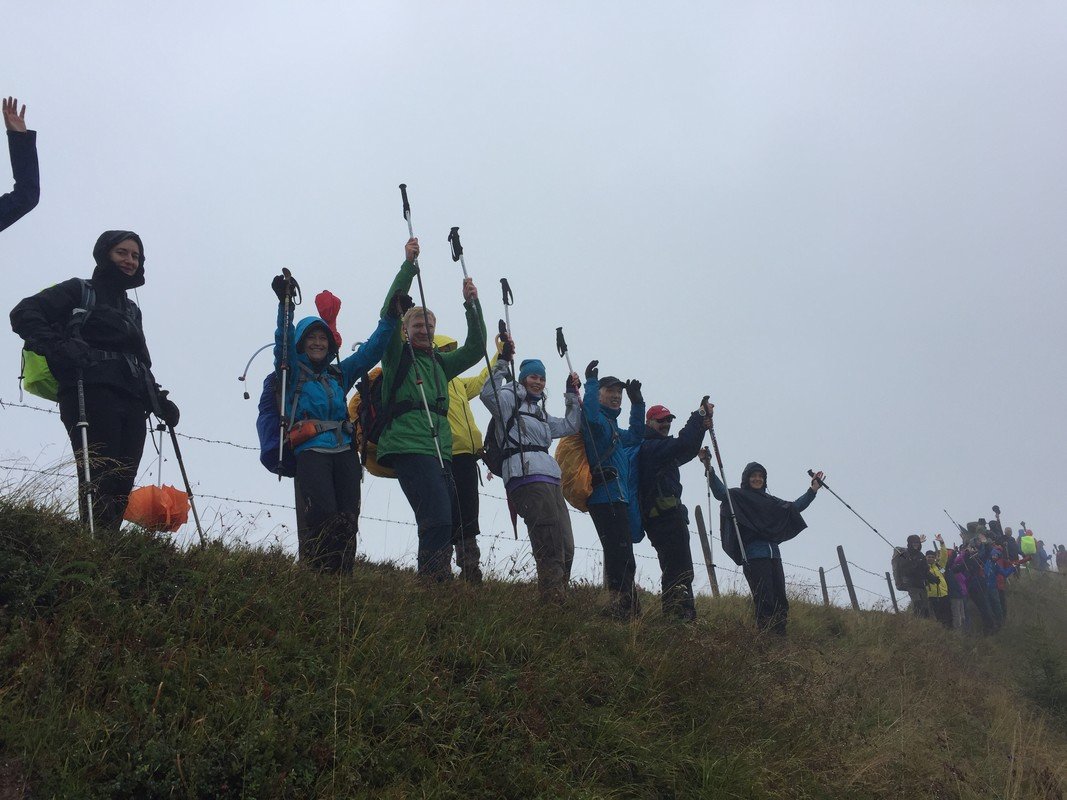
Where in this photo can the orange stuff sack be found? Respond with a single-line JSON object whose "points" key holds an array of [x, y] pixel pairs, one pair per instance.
{"points": [[368, 422], [577, 480], [157, 508]]}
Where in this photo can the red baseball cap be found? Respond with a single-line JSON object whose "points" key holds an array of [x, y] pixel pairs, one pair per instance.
{"points": [[658, 413]]}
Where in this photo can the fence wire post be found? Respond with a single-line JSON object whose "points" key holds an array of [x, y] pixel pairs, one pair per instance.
{"points": [[825, 594], [848, 579], [892, 594], [705, 545]]}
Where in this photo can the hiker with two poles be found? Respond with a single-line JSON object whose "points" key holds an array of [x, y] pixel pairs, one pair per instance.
{"points": [[525, 431], [754, 523], [417, 440], [315, 384], [91, 336]]}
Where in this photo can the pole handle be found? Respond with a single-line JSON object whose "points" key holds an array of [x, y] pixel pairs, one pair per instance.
{"points": [[404, 197], [502, 327], [453, 239], [505, 292], [561, 343], [811, 474]]}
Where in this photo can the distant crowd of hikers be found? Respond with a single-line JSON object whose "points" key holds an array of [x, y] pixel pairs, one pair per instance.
{"points": [[411, 420], [966, 588]]}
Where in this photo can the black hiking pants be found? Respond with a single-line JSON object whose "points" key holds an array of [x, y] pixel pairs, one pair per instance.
{"points": [[671, 540], [465, 516], [116, 434], [612, 522], [766, 579], [329, 496]]}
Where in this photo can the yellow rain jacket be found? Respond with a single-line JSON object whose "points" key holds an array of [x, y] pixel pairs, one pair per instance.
{"points": [[937, 569], [466, 438]]}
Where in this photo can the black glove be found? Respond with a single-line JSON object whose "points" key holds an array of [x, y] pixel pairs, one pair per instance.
{"points": [[168, 410], [633, 391], [399, 304], [71, 353], [507, 350], [591, 372], [281, 287], [572, 386]]}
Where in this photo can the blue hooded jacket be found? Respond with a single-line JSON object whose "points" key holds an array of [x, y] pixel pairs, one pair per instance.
{"points": [[323, 389], [615, 448]]}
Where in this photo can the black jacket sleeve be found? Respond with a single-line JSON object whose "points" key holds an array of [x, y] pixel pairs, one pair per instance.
{"points": [[41, 320], [18, 203]]}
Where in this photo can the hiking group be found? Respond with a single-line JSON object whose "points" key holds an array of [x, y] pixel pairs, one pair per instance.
{"points": [[965, 588], [411, 420]]}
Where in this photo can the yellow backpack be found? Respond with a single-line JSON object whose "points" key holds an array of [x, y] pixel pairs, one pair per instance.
{"points": [[577, 479]]}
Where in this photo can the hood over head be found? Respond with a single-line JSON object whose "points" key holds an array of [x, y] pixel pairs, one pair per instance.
{"points": [[753, 466], [106, 270], [305, 325], [444, 343]]}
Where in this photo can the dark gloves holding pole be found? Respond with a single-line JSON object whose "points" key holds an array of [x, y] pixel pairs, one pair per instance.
{"points": [[400, 304], [168, 409], [285, 287], [633, 391], [71, 353], [572, 383], [507, 351]]}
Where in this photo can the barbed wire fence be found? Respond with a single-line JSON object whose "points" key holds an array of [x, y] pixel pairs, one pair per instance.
{"points": [[514, 562]]}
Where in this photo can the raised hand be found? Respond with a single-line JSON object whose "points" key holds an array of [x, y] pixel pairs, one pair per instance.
{"points": [[470, 291], [411, 249], [14, 120]]}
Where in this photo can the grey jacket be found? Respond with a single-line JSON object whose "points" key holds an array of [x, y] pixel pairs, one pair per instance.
{"points": [[532, 428]]}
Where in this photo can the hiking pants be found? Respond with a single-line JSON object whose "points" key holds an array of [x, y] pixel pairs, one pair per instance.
{"points": [[920, 602], [429, 492], [542, 508], [994, 606], [1003, 603], [116, 435], [465, 516], [766, 579], [671, 539], [942, 610], [981, 602], [329, 497], [612, 522]]}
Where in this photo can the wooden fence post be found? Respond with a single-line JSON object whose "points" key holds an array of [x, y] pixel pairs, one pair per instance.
{"points": [[822, 580], [848, 578], [892, 594], [705, 545]]}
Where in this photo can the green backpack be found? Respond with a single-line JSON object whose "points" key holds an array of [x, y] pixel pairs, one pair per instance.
{"points": [[36, 378]]}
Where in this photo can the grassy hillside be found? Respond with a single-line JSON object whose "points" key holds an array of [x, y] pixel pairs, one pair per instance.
{"points": [[130, 668]]}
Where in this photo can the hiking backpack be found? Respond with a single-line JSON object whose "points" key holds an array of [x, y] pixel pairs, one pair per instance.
{"points": [[494, 453], [371, 414], [35, 376]]}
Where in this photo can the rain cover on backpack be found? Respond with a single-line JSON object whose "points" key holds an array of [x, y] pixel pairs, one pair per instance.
{"points": [[577, 480]]}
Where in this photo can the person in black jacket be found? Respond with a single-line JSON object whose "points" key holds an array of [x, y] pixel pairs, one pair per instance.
{"points": [[22, 145], [664, 518], [104, 349]]}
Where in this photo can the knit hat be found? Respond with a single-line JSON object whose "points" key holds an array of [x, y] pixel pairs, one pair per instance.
{"points": [[914, 539], [531, 366]]}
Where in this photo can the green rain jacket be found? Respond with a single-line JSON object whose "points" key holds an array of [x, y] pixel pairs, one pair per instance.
{"points": [[408, 431]]}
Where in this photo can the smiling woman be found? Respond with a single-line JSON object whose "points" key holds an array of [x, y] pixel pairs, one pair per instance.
{"points": [[90, 333]]}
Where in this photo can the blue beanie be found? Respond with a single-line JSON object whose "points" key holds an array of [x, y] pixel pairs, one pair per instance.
{"points": [[531, 366]]}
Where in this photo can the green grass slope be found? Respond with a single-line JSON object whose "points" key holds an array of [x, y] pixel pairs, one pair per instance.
{"points": [[129, 668]]}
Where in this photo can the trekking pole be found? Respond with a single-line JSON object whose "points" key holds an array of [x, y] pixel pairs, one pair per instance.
{"points": [[959, 527], [244, 375], [291, 286], [83, 424], [188, 488], [426, 322], [822, 483], [508, 299], [729, 497], [457, 255]]}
